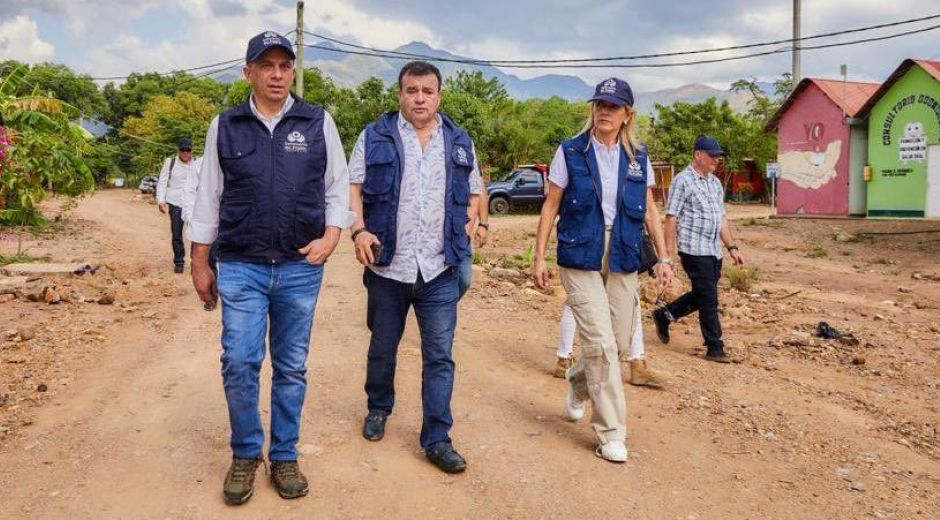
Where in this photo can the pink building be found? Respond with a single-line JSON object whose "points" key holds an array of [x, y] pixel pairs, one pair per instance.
{"points": [[822, 148]]}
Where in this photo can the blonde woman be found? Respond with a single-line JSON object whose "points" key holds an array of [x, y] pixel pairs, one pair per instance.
{"points": [[598, 191]]}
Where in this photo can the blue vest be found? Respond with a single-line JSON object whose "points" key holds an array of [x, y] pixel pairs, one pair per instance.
{"points": [[581, 217], [384, 158], [274, 196]]}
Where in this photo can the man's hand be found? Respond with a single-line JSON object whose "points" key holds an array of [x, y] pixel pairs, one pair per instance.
{"points": [[364, 241], [664, 275], [320, 249], [482, 235], [540, 274], [204, 282], [164, 207], [736, 257]]}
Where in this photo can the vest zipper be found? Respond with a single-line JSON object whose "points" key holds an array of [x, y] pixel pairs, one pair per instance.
{"points": [[271, 194]]}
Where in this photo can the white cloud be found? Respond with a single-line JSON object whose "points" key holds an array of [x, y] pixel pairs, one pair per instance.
{"points": [[19, 40]]}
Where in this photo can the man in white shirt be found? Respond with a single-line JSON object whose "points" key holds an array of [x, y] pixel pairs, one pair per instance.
{"points": [[273, 194], [172, 194]]}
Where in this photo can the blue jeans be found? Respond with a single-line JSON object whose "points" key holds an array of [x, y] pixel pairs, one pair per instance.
{"points": [[435, 304], [251, 295], [465, 271]]}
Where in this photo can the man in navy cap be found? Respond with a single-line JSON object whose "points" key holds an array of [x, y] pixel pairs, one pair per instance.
{"points": [[696, 215], [273, 195]]}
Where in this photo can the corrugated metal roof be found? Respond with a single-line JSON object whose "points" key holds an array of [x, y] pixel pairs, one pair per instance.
{"points": [[931, 67], [855, 95]]}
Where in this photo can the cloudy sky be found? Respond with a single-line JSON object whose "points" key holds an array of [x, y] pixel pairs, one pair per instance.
{"points": [[111, 37]]}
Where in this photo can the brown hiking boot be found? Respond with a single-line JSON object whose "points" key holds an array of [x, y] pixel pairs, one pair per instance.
{"points": [[240, 480], [288, 480], [564, 363], [641, 375]]}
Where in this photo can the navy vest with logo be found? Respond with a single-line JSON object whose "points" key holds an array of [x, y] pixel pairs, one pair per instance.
{"points": [[581, 218], [384, 153], [274, 196]]}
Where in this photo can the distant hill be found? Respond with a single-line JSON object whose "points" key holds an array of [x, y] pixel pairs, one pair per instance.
{"points": [[349, 70]]}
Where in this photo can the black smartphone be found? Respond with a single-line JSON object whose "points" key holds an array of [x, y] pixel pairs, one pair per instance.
{"points": [[376, 252]]}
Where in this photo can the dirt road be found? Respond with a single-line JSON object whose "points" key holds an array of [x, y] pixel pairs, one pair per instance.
{"points": [[133, 421]]}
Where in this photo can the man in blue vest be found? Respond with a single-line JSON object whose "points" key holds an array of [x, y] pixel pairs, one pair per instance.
{"points": [[273, 195], [413, 177]]}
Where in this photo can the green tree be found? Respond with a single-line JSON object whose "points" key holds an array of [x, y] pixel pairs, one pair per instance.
{"points": [[354, 109], [45, 152], [163, 121]]}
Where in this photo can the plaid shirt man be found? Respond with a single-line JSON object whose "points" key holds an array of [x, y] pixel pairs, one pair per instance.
{"points": [[698, 204]]}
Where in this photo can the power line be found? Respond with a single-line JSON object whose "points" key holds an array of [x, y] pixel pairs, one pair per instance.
{"points": [[408, 56], [499, 63]]}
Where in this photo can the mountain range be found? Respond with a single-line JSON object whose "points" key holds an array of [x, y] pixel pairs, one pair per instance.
{"points": [[349, 70]]}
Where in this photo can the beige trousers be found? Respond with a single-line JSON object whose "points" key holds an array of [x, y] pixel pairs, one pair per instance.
{"points": [[603, 304]]}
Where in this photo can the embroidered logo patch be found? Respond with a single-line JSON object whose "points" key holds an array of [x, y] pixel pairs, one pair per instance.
{"points": [[609, 86], [634, 169], [462, 156], [296, 143]]}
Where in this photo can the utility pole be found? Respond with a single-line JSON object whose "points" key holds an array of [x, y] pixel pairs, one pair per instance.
{"points": [[796, 43], [300, 49]]}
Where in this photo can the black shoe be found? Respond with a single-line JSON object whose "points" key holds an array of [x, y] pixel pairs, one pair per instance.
{"points": [[177, 269], [718, 356], [662, 325], [444, 456], [240, 480], [288, 480], [374, 427]]}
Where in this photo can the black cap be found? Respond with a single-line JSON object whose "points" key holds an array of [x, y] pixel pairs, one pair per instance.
{"points": [[708, 144], [184, 143], [265, 41], [615, 91]]}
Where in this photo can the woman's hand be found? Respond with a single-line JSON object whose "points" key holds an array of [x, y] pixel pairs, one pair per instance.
{"points": [[540, 274]]}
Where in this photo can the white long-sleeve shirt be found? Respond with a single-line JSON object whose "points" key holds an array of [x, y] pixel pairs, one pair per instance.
{"points": [[171, 189], [204, 224]]}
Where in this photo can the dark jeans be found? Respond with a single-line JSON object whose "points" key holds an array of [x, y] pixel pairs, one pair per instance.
{"points": [[465, 274], [703, 272], [176, 227], [435, 304]]}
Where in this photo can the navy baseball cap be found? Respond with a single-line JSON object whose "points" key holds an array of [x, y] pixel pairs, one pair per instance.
{"points": [[267, 40], [708, 145], [615, 91]]}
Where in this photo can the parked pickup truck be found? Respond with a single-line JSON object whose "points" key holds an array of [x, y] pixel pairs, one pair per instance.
{"points": [[525, 186]]}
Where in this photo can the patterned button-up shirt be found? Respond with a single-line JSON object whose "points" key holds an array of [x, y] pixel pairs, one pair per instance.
{"points": [[420, 233], [697, 202]]}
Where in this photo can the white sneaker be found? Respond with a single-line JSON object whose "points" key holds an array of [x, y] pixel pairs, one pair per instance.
{"points": [[614, 451], [574, 406]]}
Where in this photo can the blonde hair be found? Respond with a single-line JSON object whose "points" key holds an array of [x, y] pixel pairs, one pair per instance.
{"points": [[628, 133]]}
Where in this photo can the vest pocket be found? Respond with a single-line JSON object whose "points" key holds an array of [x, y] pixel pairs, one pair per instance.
{"points": [[459, 237], [634, 198], [309, 224], [236, 157], [377, 186], [460, 186], [234, 224]]}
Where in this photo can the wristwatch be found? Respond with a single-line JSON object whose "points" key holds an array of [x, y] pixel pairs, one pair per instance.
{"points": [[484, 224], [356, 233], [665, 260], [731, 248]]}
